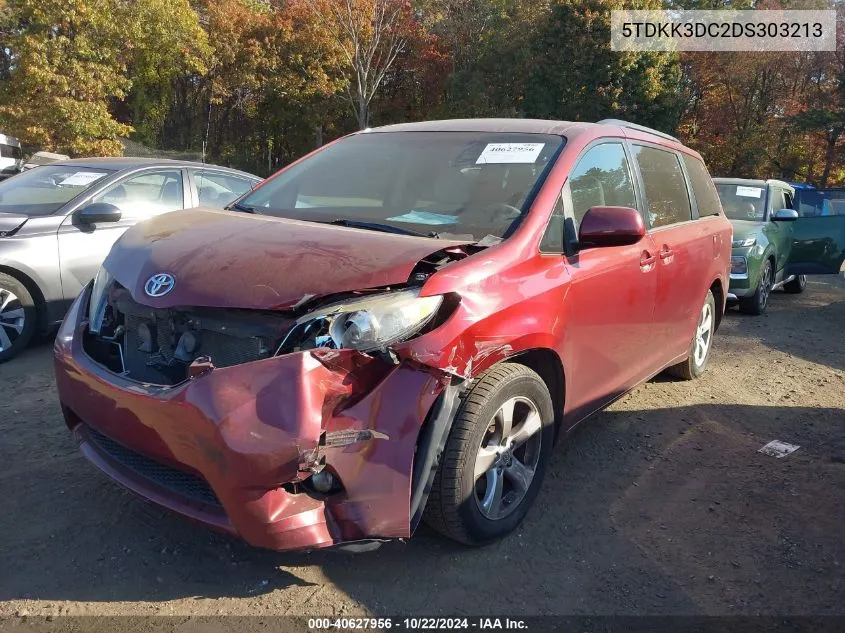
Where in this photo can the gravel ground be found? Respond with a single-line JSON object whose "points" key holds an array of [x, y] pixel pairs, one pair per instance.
{"points": [[660, 505]]}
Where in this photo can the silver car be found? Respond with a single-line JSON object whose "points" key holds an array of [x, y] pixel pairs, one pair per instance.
{"points": [[59, 221]]}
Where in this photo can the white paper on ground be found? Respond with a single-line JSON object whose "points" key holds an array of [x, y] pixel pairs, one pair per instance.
{"points": [[749, 192], [778, 449], [83, 178], [502, 153]]}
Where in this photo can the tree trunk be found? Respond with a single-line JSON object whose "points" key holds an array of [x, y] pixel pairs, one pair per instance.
{"points": [[363, 113], [829, 155]]}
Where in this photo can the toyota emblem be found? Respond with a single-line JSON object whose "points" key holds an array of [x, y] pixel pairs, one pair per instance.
{"points": [[160, 284]]}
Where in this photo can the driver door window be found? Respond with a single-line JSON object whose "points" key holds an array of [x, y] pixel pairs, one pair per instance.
{"points": [[778, 201], [146, 195], [601, 178]]}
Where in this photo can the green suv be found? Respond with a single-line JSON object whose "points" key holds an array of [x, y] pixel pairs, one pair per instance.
{"points": [[777, 239], [762, 216]]}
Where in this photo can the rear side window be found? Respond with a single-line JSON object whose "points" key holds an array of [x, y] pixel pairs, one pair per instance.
{"points": [[706, 198], [664, 184], [601, 179], [217, 189]]}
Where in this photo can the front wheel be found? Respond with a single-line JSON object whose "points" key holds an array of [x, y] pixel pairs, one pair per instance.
{"points": [[797, 285], [757, 303], [702, 342], [17, 317], [495, 458]]}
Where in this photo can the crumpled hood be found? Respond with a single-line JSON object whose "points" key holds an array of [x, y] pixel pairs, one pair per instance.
{"points": [[746, 228], [10, 222], [238, 260]]}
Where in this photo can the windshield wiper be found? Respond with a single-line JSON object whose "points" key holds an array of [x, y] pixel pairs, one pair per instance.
{"points": [[375, 226], [237, 206]]}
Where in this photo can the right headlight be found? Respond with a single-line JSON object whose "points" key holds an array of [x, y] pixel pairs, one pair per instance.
{"points": [[366, 324], [99, 297]]}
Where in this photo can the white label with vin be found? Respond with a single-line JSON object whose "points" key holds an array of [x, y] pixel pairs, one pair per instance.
{"points": [[504, 153]]}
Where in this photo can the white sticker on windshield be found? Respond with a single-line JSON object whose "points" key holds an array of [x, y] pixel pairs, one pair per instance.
{"points": [[749, 192], [500, 153], [83, 178]]}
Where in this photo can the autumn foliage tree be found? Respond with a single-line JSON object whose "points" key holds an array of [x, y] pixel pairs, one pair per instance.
{"points": [[257, 83], [369, 35]]}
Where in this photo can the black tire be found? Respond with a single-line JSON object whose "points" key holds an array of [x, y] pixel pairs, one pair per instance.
{"points": [[797, 285], [694, 366], [14, 335], [453, 508], [759, 301]]}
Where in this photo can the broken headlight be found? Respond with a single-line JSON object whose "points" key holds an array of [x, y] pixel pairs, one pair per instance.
{"points": [[97, 303], [365, 324]]}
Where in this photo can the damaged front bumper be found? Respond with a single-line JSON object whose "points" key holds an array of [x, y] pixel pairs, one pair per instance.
{"points": [[234, 447]]}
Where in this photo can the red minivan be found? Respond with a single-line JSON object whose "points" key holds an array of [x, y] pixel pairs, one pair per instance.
{"points": [[396, 327]]}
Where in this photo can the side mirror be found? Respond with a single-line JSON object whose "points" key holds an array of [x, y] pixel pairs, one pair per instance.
{"points": [[785, 215], [99, 212], [610, 226]]}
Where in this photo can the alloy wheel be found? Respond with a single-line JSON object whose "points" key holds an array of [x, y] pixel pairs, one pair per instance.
{"points": [[765, 285], [508, 457], [12, 319], [703, 334]]}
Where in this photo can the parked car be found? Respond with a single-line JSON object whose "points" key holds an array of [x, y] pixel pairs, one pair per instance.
{"points": [[761, 213], [398, 325], [771, 239], [11, 156], [819, 239], [58, 222]]}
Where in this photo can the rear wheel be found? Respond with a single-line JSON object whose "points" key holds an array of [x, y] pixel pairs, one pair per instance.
{"points": [[17, 317], [797, 285], [702, 342], [495, 457], [756, 303]]}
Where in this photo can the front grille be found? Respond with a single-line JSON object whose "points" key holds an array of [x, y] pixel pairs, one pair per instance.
{"points": [[181, 483]]}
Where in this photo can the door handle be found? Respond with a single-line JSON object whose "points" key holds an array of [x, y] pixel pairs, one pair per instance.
{"points": [[666, 254], [647, 261]]}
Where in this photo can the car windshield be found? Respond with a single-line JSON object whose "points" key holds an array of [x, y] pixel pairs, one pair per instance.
{"points": [[468, 184], [44, 190], [743, 202]]}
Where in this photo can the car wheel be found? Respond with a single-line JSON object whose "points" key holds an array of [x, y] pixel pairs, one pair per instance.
{"points": [[702, 342], [797, 285], [756, 303], [495, 457], [17, 317]]}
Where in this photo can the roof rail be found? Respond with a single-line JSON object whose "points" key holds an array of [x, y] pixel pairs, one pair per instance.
{"points": [[641, 128]]}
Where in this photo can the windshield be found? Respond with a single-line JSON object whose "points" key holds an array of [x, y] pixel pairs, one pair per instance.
{"points": [[44, 190], [468, 184], [743, 202]]}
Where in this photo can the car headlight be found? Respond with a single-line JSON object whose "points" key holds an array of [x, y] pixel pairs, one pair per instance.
{"points": [[748, 241], [365, 324], [97, 303]]}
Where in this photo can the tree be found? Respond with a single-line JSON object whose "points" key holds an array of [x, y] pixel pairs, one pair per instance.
{"points": [[164, 41], [553, 60], [369, 34], [65, 69]]}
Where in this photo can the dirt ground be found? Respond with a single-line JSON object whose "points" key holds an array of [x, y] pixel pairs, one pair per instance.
{"points": [[660, 505]]}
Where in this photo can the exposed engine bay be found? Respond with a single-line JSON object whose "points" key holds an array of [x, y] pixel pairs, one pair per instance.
{"points": [[158, 345], [166, 346]]}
